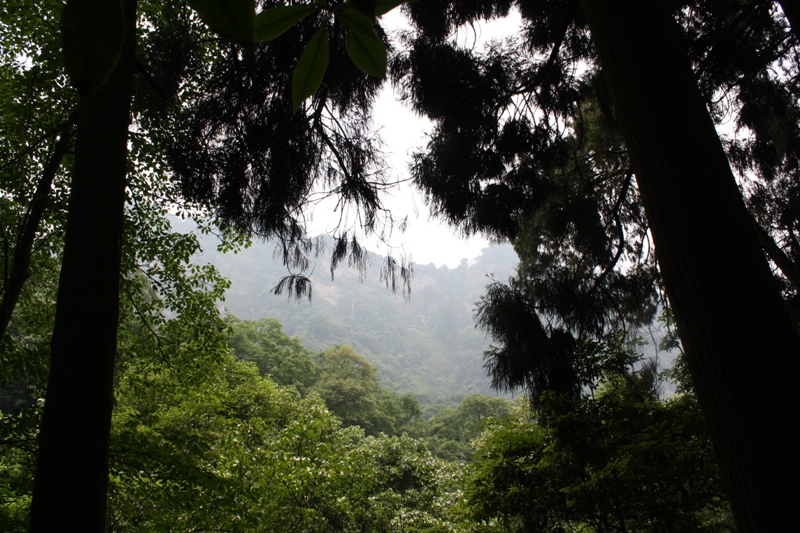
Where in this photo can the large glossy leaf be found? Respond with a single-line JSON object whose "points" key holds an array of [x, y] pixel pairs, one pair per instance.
{"points": [[271, 23], [365, 6], [310, 70], [367, 53], [384, 6], [93, 33], [354, 20], [364, 47], [235, 19]]}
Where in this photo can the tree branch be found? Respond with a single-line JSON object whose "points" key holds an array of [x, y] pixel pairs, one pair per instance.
{"points": [[778, 256], [30, 224]]}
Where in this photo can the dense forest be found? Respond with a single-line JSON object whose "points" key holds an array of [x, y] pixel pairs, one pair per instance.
{"points": [[259, 432], [640, 157], [425, 343]]}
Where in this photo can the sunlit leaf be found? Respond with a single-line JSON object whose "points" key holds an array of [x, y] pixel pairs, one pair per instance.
{"points": [[368, 53], [234, 19], [93, 33], [272, 23], [310, 70]]}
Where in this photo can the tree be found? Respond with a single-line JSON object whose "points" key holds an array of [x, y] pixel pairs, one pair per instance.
{"points": [[73, 441], [100, 44], [453, 430], [37, 135], [348, 383], [620, 459], [35, 110], [403, 488], [207, 442], [494, 165], [713, 266], [213, 444], [277, 355]]}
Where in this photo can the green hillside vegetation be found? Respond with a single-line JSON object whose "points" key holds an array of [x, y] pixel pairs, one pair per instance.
{"points": [[426, 344], [221, 436], [348, 384], [226, 434]]}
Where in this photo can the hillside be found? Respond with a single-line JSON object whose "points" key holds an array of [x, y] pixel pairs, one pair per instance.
{"points": [[426, 344]]}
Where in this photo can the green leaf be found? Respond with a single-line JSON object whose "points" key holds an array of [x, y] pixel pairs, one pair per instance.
{"points": [[354, 20], [93, 33], [364, 46], [368, 53], [365, 6], [384, 6], [310, 70], [271, 23], [234, 19]]}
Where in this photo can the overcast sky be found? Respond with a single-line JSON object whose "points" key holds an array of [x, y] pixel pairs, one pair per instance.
{"points": [[425, 240]]}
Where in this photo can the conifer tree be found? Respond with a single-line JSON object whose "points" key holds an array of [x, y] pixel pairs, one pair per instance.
{"points": [[516, 152]]}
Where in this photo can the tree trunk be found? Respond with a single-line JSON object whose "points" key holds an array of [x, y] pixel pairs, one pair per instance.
{"points": [[787, 267], [741, 347], [23, 248], [791, 8], [72, 470]]}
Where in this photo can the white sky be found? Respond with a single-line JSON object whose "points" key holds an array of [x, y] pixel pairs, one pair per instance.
{"points": [[425, 240]]}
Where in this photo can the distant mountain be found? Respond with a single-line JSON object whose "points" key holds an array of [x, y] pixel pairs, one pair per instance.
{"points": [[426, 345]]}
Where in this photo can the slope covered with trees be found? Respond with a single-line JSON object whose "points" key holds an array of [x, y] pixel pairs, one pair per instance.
{"points": [[218, 435], [425, 344]]}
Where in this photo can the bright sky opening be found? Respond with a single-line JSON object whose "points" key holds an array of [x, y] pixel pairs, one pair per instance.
{"points": [[425, 240]]}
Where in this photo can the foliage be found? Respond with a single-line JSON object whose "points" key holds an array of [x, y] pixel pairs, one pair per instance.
{"points": [[620, 459], [537, 155], [527, 144], [403, 488], [427, 345], [93, 37], [239, 21], [346, 381], [37, 106], [282, 358], [348, 384], [451, 431], [202, 440], [18, 431], [230, 449], [224, 447], [528, 357], [240, 148]]}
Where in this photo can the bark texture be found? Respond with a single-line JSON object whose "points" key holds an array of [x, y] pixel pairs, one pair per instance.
{"points": [[740, 344], [72, 471]]}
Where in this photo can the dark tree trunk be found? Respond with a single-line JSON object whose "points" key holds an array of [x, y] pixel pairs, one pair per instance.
{"points": [[787, 267], [23, 248], [791, 8], [72, 470], [740, 345]]}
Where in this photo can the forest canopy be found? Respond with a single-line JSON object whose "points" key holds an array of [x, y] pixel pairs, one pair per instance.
{"points": [[588, 139]]}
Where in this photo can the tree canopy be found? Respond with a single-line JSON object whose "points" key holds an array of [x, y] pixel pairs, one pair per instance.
{"points": [[557, 123], [588, 138]]}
